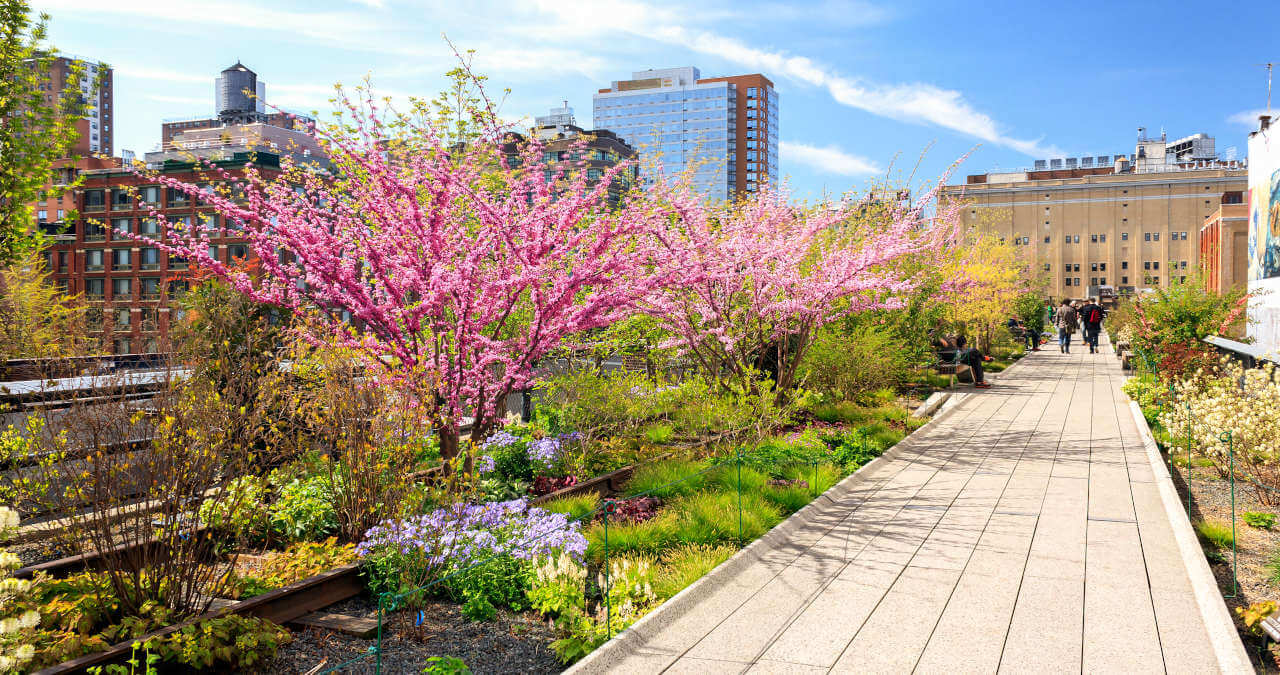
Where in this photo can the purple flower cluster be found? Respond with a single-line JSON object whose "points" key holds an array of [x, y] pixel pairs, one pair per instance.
{"points": [[544, 452], [462, 534], [485, 464], [499, 440]]}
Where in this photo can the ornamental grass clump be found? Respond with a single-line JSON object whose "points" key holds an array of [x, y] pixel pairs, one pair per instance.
{"points": [[1244, 402], [408, 557]]}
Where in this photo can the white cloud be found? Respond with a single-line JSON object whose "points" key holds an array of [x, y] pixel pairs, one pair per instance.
{"points": [[829, 159], [913, 102], [1249, 118]]}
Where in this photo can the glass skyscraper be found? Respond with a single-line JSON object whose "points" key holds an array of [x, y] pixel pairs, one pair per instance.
{"points": [[681, 123]]}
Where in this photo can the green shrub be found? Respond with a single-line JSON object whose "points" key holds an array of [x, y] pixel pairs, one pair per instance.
{"points": [[668, 478], [1262, 521], [241, 511], [1215, 533], [855, 363], [684, 565], [853, 448], [884, 436], [304, 510], [575, 507], [659, 433], [230, 642], [712, 518], [478, 608]]}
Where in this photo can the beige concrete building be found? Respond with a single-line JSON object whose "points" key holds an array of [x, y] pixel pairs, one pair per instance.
{"points": [[1130, 223]]}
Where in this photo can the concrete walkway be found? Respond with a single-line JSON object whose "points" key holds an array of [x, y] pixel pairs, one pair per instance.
{"points": [[1021, 532]]}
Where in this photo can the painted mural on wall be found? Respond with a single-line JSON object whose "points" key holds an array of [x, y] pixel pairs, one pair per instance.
{"points": [[1264, 239], [1264, 221]]}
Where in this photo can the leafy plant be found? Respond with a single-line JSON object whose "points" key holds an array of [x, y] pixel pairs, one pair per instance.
{"points": [[1262, 521], [1253, 615], [855, 363], [299, 561], [659, 433], [304, 510], [243, 512], [446, 665], [635, 510], [478, 607], [230, 641]]}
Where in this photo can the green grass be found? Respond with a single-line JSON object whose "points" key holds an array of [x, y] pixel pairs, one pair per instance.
{"points": [[725, 479], [789, 499], [819, 478], [650, 536], [574, 507], [1198, 462], [1273, 568], [712, 518], [684, 565], [849, 412], [659, 433], [995, 366], [1215, 533], [885, 435], [667, 479]]}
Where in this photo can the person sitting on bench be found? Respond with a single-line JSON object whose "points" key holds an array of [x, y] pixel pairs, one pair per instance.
{"points": [[973, 358]]}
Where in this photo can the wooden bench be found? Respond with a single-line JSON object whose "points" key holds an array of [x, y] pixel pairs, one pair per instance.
{"points": [[952, 369]]}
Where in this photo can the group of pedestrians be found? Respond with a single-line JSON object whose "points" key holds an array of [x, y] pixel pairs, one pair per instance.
{"points": [[1086, 317]]}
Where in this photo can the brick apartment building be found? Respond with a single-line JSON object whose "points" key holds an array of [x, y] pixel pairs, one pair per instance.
{"points": [[129, 285], [1224, 247]]}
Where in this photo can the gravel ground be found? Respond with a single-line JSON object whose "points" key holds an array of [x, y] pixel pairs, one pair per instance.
{"points": [[512, 643], [1211, 500]]}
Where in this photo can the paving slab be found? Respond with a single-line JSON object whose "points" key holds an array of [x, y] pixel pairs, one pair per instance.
{"points": [[1022, 530]]}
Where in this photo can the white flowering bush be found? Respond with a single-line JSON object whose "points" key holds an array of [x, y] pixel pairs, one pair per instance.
{"points": [[1244, 402], [16, 622]]}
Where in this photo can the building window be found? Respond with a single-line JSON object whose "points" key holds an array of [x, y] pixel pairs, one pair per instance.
{"points": [[1155, 236], [1077, 282], [1146, 264], [1075, 267], [149, 258], [121, 345], [1184, 236], [150, 194], [1046, 238], [1155, 264], [176, 197], [1102, 238], [93, 260], [94, 231], [1046, 267], [1103, 281], [1066, 281], [122, 318], [1093, 239], [1068, 239], [1182, 264], [1146, 236], [121, 289], [93, 288], [177, 289], [1093, 281], [1124, 264], [1124, 280], [1124, 236], [95, 200], [1093, 267], [150, 288], [121, 200], [238, 251], [120, 260], [1102, 267], [120, 225], [1075, 239]]}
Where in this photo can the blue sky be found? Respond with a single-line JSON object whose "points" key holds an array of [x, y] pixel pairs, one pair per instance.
{"points": [[864, 86]]}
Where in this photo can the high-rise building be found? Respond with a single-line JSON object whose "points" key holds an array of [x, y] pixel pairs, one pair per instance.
{"points": [[95, 83], [722, 131], [1127, 221], [567, 148]]}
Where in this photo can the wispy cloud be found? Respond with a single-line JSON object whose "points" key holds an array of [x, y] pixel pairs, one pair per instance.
{"points": [[828, 159], [1248, 118], [919, 103]]}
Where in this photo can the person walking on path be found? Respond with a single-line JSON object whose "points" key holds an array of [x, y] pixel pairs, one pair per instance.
{"points": [[1091, 315], [1066, 320]]}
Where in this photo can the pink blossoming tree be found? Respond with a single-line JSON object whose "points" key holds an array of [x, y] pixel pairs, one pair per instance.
{"points": [[757, 279], [451, 268]]}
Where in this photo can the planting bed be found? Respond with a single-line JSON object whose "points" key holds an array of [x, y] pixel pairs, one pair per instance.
{"points": [[1258, 549]]}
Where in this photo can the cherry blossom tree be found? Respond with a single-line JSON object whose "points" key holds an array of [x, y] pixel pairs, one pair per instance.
{"points": [[756, 279], [451, 268]]}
